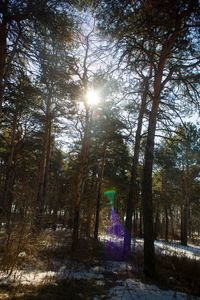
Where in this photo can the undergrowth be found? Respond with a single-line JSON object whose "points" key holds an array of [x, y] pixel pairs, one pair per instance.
{"points": [[50, 250]]}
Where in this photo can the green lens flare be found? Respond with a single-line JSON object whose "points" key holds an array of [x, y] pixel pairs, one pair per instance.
{"points": [[110, 195]]}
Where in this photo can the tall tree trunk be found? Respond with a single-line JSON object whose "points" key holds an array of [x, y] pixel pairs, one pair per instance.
{"points": [[98, 200], [43, 168], [186, 197], [81, 181], [140, 225], [184, 226], [166, 224], [89, 206], [157, 221], [9, 180], [132, 196], [149, 251], [5, 60], [48, 157], [3, 48], [172, 223]]}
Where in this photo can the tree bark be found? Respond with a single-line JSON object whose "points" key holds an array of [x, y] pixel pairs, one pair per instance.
{"points": [[43, 168], [186, 197], [98, 200], [9, 180], [81, 181], [149, 252], [166, 224], [3, 48], [132, 196]]}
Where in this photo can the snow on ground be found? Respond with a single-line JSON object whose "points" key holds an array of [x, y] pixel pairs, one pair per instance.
{"points": [[192, 252], [26, 278], [169, 248], [128, 289], [79, 271], [173, 248], [102, 273], [131, 289]]}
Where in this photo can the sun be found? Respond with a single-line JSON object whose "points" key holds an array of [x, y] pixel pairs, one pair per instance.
{"points": [[92, 97]]}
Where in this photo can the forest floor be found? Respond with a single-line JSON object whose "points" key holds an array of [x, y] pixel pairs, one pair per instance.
{"points": [[97, 271]]}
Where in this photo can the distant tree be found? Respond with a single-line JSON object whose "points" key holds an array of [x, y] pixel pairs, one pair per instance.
{"points": [[19, 20], [19, 101], [54, 64], [179, 161]]}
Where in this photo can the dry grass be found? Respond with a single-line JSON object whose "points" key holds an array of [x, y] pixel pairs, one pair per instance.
{"points": [[179, 273], [42, 251]]}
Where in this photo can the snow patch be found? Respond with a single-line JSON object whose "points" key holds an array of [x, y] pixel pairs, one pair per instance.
{"points": [[168, 248], [27, 278], [133, 290], [78, 271]]}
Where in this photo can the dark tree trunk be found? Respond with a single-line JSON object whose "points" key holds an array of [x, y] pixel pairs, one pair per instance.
{"points": [[141, 222], [184, 225], [132, 196], [3, 48], [186, 196], [149, 252], [101, 172], [81, 181], [172, 223], [157, 221], [43, 170], [9, 179], [90, 206], [166, 224], [75, 228]]}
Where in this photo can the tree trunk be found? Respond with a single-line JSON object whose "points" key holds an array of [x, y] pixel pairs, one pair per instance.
{"points": [[132, 196], [149, 251], [172, 223], [9, 180], [186, 197], [166, 224], [141, 222], [43, 168], [157, 221], [81, 181], [3, 48], [100, 177], [184, 226]]}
